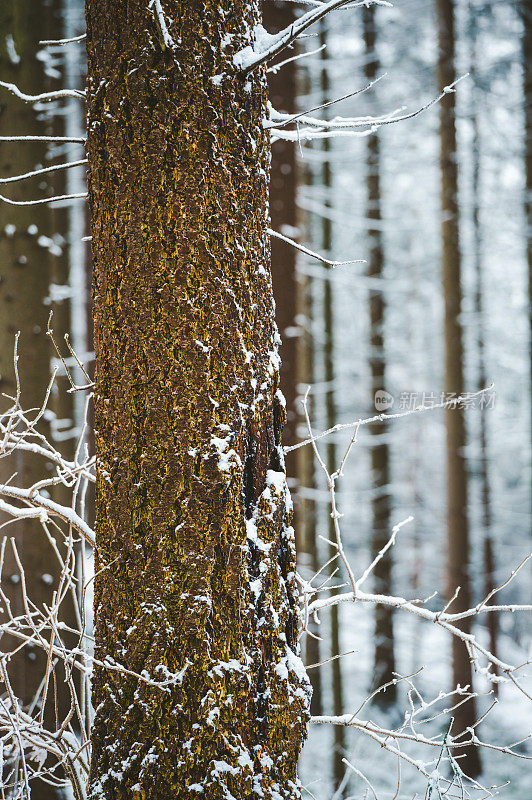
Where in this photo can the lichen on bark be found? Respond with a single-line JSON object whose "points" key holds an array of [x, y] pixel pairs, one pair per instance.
{"points": [[195, 586]]}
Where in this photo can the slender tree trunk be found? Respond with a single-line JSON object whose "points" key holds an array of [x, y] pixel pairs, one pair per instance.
{"points": [[526, 13], [289, 302], [457, 495], [195, 586], [306, 507], [25, 269], [492, 619], [306, 467], [283, 213], [330, 420], [63, 429], [384, 658]]}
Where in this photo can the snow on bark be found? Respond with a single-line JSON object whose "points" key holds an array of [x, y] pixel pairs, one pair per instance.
{"points": [[196, 588]]}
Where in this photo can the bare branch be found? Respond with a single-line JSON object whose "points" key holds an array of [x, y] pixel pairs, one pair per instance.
{"points": [[311, 253], [43, 171], [73, 40], [62, 139], [33, 98], [458, 401], [79, 196], [158, 14], [266, 46]]}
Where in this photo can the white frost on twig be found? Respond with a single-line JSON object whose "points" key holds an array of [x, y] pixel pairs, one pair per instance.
{"points": [[43, 171], [33, 98], [158, 14], [312, 253], [60, 42], [266, 45], [340, 426], [44, 200], [51, 139]]}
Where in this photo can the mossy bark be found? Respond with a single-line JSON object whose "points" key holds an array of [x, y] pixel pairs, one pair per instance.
{"points": [[457, 487], [196, 587]]}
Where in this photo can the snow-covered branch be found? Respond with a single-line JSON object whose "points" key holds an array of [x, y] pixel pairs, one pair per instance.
{"points": [[419, 712], [43, 171], [311, 253], [61, 42], [34, 98], [158, 14], [44, 200], [266, 46], [455, 402], [48, 139], [317, 128]]}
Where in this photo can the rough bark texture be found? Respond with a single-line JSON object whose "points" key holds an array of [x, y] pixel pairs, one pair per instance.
{"points": [[384, 658], [330, 420], [196, 586], [457, 495]]}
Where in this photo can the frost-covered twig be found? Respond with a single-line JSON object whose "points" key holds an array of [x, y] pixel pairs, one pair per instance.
{"points": [[44, 170], [44, 200], [279, 119], [453, 403], [276, 67], [49, 139], [73, 40], [331, 485], [266, 45], [419, 712], [158, 14], [311, 253], [33, 98], [343, 126]]}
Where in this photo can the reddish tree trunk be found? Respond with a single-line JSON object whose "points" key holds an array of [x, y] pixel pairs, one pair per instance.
{"points": [[196, 585]]}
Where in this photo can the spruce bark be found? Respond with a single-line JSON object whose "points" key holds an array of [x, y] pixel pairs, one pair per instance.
{"points": [[384, 656], [457, 490], [196, 585]]}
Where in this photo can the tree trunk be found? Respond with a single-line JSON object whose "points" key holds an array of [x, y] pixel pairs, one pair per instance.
{"points": [[384, 658], [290, 300], [306, 507], [330, 420], [526, 13], [457, 496], [283, 212], [25, 269], [492, 619], [306, 471], [195, 586]]}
